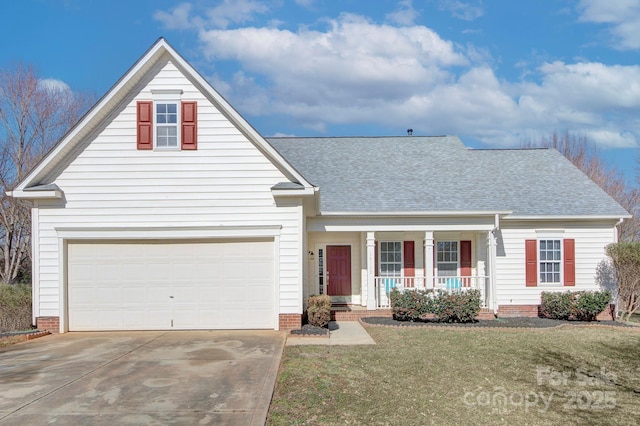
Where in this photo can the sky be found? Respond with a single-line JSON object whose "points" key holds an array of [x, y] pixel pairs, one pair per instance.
{"points": [[496, 73]]}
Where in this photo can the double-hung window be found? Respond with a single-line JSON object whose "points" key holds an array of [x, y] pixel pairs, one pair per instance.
{"points": [[550, 261], [447, 258], [166, 114], [391, 258]]}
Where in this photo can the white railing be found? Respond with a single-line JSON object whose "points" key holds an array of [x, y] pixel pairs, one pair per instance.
{"points": [[384, 285]]}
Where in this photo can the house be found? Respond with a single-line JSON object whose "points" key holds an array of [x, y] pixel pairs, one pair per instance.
{"points": [[164, 209]]}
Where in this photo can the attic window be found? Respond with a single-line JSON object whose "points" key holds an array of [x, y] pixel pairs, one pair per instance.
{"points": [[166, 125]]}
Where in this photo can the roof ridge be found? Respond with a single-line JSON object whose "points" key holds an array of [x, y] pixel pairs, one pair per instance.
{"points": [[359, 137]]}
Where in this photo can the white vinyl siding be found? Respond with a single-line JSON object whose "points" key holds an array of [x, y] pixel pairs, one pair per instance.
{"points": [[590, 241], [225, 183]]}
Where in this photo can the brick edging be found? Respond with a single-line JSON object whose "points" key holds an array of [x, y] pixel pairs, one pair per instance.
{"points": [[26, 336], [309, 335]]}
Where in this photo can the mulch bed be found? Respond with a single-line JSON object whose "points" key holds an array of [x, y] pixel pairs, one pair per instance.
{"points": [[518, 322], [310, 331]]}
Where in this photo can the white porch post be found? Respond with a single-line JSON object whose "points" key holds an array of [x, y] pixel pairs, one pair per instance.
{"points": [[491, 271], [428, 259], [371, 288]]}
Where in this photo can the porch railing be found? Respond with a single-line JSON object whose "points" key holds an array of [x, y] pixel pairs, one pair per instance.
{"points": [[384, 285]]}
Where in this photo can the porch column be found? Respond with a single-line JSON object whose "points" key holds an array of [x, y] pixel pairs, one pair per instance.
{"points": [[428, 259], [371, 273], [491, 271]]}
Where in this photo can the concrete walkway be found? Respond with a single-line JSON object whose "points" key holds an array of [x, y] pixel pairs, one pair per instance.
{"points": [[340, 333]]}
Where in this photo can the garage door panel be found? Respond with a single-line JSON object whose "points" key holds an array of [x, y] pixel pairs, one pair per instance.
{"points": [[163, 285]]}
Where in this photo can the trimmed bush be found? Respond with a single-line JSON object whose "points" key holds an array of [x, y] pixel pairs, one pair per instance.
{"points": [[578, 305], [411, 305], [591, 303], [461, 306], [319, 310], [414, 305], [557, 305], [15, 307]]}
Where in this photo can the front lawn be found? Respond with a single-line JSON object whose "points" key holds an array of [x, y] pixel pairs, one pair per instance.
{"points": [[420, 376]]}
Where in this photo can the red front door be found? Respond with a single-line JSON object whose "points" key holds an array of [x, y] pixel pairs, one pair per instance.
{"points": [[339, 270]]}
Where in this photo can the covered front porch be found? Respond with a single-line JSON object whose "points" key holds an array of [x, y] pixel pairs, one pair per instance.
{"points": [[360, 268]]}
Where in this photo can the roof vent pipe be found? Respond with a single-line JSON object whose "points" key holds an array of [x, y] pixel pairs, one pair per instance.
{"points": [[409, 132]]}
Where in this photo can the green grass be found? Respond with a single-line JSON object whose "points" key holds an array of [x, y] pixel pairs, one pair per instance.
{"points": [[426, 376]]}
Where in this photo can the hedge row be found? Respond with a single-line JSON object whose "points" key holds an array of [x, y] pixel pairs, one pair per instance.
{"points": [[15, 307], [577, 305], [445, 306]]}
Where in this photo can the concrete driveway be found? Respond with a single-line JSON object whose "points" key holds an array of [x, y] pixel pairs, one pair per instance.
{"points": [[177, 377]]}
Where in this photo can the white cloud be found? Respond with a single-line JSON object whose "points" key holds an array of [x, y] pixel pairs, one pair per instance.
{"points": [[235, 12], [222, 15], [465, 10], [404, 15], [622, 17], [177, 19], [54, 85], [357, 72]]}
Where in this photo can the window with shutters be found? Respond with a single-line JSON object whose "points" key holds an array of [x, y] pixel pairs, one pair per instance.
{"points": [[550, 261], [167, 119]]}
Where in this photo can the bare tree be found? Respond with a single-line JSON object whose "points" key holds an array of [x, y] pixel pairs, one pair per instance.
{"points": [[34, 114], [585, 156]]}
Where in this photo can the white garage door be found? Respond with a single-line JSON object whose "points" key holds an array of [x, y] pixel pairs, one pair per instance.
{"points": [[165, 285]]}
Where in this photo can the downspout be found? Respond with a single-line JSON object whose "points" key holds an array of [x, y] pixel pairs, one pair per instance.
{"points": [[615, 233], [492, 277]]}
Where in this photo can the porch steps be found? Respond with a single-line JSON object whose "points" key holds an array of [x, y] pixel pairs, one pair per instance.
{"points": [[354, 313]]}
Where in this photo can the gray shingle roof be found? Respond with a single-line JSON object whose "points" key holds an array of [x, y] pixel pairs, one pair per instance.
{"points": [[431, 174]]}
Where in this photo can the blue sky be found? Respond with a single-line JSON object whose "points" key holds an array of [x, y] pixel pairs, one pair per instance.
{"points": [[494, 72]]}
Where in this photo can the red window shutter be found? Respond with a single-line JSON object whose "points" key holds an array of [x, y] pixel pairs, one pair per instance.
{"points": [[569, 267], [189, 125], [531, 259], [409, 259], [145, 125], [465, 262]]}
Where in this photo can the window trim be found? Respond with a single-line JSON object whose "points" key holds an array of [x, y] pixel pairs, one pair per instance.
{"points": [[559, 283], [167, 96], [401, 243], [435, 255]]}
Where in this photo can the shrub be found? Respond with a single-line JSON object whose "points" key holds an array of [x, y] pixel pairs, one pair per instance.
{"points": [[578, 305], [319, 310], [557, 305], [461, 306], [591, 303], [410, 305], [15, 307], [413, 305]]}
